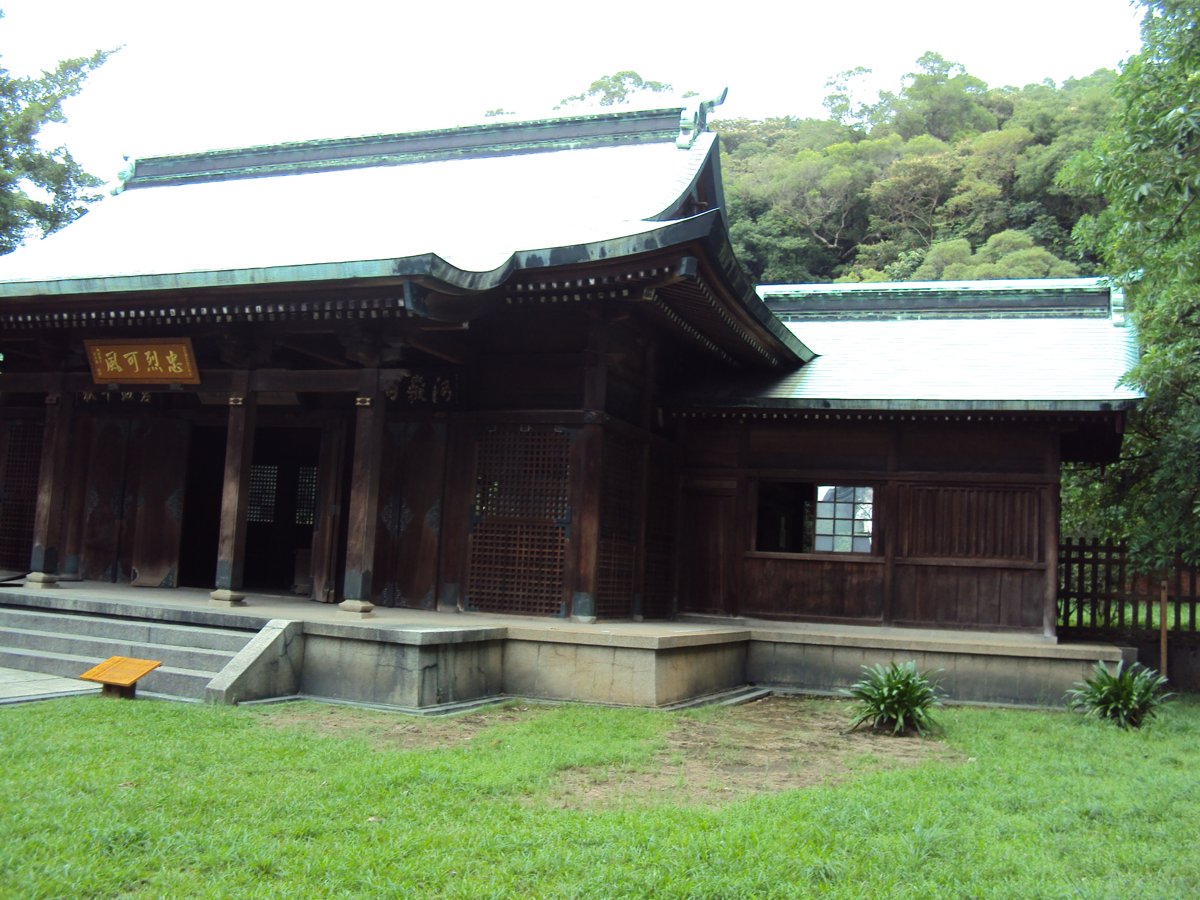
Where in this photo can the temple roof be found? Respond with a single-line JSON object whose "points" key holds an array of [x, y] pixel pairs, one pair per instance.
{"points": [[473, 197], [1047, 345], [460, 212]]}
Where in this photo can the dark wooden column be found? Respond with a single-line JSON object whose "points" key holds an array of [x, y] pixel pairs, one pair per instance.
{"points": [[239, 453], [887, 525], [457, 505], [75, 506], [587, 474], [1049, 529], [358, 586], [642, 492], [327, 526], [53, 479]]}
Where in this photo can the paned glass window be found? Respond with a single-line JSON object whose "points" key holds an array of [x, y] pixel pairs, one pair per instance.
{"points": [[797, 517], [843, 519]]}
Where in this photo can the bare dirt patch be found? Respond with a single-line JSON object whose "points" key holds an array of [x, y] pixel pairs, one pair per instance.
{"points": [[775, 744], [390, 731], [713, 756]]}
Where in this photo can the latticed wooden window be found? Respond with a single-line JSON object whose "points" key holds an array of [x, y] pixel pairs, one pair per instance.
{"points": [[260, 506], [18, 492], [306, 495], [519, 538]]}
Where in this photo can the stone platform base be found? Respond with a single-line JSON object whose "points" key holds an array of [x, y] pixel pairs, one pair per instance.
{"points": [[427, 660]]}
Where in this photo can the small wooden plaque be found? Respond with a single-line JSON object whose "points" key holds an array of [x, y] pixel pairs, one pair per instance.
{"points": [[121, 671]]}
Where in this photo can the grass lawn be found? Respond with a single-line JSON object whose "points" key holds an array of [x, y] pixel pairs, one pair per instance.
{"points": [[101, 798]]}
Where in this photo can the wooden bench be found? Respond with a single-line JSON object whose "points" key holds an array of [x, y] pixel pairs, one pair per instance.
{"points": [[119, 675]]}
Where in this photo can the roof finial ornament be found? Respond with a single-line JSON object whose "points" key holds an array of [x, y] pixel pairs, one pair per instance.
{"points": [[693, 120], [124, 175]]}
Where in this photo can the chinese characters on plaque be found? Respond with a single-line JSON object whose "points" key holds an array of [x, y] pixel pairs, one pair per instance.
{"points": [[142, 361], [423, 390]]}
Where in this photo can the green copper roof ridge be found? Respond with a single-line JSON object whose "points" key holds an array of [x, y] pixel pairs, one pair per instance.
{"points": [[786, 291], [429, 132], [391, 159], [569, 132]]}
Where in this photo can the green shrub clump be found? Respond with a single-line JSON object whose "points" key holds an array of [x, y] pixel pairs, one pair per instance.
{"points": [[1130, 697], [895, 698]]}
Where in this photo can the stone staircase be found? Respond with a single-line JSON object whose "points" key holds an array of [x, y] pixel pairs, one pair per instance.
{"points": [[68, 643]]}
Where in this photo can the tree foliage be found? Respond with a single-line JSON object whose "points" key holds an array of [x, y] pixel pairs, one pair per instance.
{"points": [[870, 192], [1147, 167], [40, 188], [616, 89]]}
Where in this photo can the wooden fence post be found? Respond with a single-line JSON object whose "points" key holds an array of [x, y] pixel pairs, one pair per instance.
{"points": [[1162, 628]]}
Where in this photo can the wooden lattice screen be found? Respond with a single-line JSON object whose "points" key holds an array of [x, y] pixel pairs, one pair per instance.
{"points": [[20, 459], [519, 536], [618, 527]]}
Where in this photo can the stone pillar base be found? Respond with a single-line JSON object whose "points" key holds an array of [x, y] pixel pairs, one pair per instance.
{"points": [[584, 620], [360, 608], [226, 597], [41, 580]]}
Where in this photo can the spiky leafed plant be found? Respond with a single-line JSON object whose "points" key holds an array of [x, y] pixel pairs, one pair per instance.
{"points": [[895, 698], [1130, 697]]}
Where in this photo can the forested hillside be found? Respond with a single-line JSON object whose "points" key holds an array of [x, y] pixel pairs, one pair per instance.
{"points": [[947, 178]]}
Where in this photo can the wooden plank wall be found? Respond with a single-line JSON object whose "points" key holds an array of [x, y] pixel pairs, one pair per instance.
{"points": [[963, 522]]}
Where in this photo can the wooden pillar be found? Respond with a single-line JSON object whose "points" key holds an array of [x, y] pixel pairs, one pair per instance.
{"points": [[53, 479], [457, 507], [886, 526], [1049, 529], [646, 423], [235, 495], [587, 473], [364, 501], [74, 510], [328, 520]]}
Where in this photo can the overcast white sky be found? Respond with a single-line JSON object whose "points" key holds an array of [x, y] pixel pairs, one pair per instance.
{"points": [[221, 73]]}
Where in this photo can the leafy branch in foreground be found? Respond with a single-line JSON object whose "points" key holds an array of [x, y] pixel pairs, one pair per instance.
{"points": [[1147, 166], [40, 188], [1130, 697], [895, 698]]}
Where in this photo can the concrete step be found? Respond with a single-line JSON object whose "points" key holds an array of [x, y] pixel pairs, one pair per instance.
{"points": [[67, 644], [134, 630], [168, 681], [102, 648]]}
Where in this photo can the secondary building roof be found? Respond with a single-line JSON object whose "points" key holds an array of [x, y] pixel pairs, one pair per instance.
{"points": [[1061, 345]]}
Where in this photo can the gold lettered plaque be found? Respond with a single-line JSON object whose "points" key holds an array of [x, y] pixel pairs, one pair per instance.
{"points": [[143, 361]]}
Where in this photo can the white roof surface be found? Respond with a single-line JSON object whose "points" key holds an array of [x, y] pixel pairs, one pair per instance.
{"points": [[964, 359], [473, 213]]}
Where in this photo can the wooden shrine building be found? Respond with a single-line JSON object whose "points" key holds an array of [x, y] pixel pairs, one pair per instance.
{"points": [[516, 368]]}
